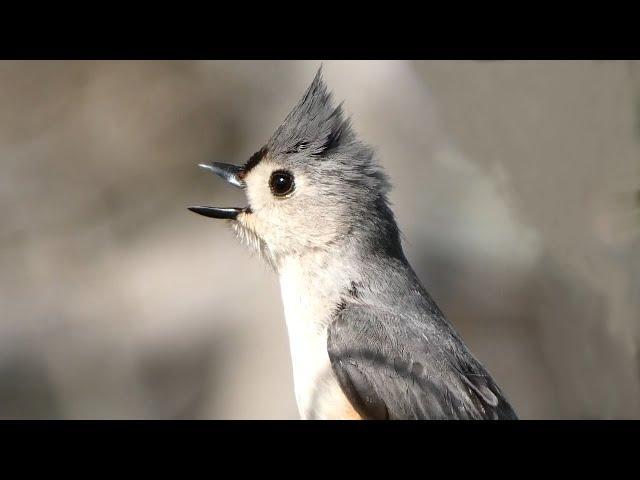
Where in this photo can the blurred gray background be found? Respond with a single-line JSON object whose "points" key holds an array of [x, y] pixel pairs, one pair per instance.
{"points": [[516, 185]]}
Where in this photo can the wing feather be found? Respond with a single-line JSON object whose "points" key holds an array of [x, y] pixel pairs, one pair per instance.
{"points": [[403, 367]]}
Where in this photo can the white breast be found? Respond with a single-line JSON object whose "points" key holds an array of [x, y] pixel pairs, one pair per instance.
{"points": [[307, 306]]}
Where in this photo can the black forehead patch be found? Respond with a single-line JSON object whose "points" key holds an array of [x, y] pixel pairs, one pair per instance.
{"points": [[254, 160]]}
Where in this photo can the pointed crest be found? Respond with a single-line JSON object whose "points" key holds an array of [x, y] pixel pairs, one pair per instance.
{"points": [[313, 124]]}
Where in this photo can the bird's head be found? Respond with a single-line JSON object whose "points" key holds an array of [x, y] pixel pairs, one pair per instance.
{"points": [[309, 187]]}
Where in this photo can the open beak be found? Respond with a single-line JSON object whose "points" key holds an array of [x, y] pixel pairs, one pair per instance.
{"points": [[230, 173]]}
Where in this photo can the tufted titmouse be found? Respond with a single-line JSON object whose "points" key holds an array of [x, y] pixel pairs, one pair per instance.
{"points": [[367, 341]]}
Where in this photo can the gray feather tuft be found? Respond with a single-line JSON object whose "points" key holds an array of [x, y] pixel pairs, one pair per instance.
{"points": [[314, 125]]}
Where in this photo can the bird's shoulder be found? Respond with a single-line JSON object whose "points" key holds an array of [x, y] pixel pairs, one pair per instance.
{"points": [[409, 366]]}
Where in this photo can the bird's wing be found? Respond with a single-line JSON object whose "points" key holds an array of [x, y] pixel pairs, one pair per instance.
{"points": [[394, 366]]}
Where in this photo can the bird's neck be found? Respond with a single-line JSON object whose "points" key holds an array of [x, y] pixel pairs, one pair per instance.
{"points": [[311, 287], [315, 283]]}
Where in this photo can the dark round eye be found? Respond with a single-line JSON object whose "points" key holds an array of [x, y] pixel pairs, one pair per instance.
{"points": [[281, 183]]}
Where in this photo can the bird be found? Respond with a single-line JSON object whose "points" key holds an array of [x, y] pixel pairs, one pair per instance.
{"points": [[367, 341]]}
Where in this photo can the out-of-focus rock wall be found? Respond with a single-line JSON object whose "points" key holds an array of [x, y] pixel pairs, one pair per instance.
{"points": [[515, 184]]}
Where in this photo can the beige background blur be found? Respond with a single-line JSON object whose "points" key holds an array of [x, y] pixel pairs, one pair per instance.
{"points": [[515, 185]]}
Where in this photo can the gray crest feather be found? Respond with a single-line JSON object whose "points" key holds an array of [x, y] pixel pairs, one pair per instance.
{"points": [[314, 125]]}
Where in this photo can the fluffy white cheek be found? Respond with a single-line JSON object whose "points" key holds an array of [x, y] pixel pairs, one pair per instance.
{"points": [[290, 224], [272, 217]]}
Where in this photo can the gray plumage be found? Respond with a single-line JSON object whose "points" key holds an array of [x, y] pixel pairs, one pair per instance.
{"points": [[359, 319], [398, 358]]}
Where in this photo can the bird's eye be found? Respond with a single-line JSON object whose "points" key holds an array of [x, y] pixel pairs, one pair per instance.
{"points": [[281, 183]]}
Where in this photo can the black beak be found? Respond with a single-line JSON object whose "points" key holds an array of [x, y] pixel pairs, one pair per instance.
{"points": [[231, 173], [217, 212]]}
